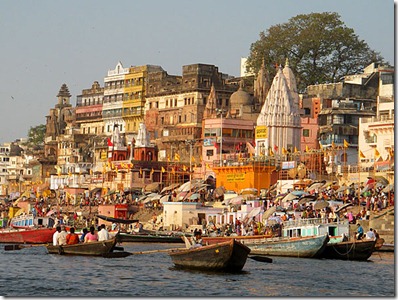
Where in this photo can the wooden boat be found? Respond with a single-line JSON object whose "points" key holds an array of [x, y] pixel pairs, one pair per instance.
{"points": [[117, 220], [101, 248], [310, 246], [338, 232], [350, 250], [28, 229], [148, 238], [229, 256], [220, 239]]}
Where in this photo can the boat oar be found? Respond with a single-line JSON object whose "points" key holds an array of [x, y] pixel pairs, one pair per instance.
{"points": [[19, 246], [125, 254], [261, 258]]}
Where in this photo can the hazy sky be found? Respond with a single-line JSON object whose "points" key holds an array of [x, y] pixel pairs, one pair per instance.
{"points": [[45, 43]]}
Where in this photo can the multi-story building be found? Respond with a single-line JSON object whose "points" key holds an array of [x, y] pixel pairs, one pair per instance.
{"points": [[376, 134], [113, 99], [175, 108], [89, 110], [4, 162], [134, 98], [343, 104]]}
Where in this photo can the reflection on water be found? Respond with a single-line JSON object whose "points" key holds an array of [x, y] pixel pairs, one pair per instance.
{"points": [[154, 275]]}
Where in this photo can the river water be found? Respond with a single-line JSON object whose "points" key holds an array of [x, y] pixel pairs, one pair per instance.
{"points": [[31, 272]]}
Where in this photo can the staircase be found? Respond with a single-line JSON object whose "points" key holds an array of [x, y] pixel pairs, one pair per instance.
{"points": [[383, 222]]}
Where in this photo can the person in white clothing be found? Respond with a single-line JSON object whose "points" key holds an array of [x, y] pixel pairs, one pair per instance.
{"points": [[103, 234], [55, 235], [370, 235]]}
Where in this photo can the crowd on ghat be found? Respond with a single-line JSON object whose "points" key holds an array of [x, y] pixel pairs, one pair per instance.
{"points": [[368, 199]]}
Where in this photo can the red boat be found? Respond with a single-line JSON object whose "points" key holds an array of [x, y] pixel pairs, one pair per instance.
{"points": [[28, 229]]}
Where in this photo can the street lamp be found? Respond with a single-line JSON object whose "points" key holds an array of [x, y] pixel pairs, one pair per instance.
{"points": [[221, 111]]}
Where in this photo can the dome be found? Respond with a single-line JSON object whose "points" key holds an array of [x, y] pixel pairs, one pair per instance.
{"points": [[240, 97]]}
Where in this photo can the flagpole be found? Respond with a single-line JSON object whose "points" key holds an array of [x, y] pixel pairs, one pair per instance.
{"points": [[359, 179]]}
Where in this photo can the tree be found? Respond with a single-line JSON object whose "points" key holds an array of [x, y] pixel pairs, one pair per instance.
{"points": [[320, 49], [36, 135]]}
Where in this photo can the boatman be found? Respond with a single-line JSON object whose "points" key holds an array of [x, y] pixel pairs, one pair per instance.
{"points": [[197, 239], [359, 234]]}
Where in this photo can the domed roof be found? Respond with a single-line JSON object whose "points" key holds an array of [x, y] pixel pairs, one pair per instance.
{"points": [[240, 97]]}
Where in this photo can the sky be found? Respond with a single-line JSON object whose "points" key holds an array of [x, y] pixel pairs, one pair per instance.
{"points": [[47, 43]]}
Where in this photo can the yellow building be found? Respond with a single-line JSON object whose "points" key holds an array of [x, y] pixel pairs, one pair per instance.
{"points": [[133, 111]]}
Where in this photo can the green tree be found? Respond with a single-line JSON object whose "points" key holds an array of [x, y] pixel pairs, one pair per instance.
{"points": [[320, 49], [36, 135]]}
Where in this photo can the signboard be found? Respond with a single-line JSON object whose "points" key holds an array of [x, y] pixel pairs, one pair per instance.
{"points": [[208, 142], [236, 177], [261, 132], [286, 165]]}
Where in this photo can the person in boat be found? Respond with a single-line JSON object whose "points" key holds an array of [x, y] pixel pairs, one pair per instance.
{"points": [[62, 236], [359, 234], [55, 235], [103, 234], [370, 235], [85, 231], [72, 238], [91, 236], [197, 239]]}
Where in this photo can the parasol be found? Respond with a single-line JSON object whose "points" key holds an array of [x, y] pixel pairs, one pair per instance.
{"points": [[170, 187], [388, 188], [343, 207], [269, 212], [306, 199], [236, 200], [321, 204], [289, 197], [164, 199], [254, 212]]}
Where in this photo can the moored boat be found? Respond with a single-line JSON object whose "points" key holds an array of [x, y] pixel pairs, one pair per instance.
{"points": [[28, 229], [349, 250], [339, 245], [310, 246], [229, 256], [101, 248], [148, 238]]}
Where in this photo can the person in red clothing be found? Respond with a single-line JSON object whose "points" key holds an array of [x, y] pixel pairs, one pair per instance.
{"points": [[72, 238]]}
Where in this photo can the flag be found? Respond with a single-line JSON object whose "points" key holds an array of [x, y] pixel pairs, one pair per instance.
{"points": [[346, 144], [91, 171], [391, 153], [333, 145], [361, 155], [110, 144], [320, 145], [276, 148], [377, 153], [140, 171], [307, 149], [271, 153], [193, 159], [295, 150], [216, 145], [163, 170], [173, 171], [168, 158], [284, 151], [207, 166], [184, 168], [152, 171], [176, 157]]}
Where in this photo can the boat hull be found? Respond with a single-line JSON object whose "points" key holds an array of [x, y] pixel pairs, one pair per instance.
{"points": [[148, 238], [88, 249], [350, 250], [27, 236], [229, 256], [311, 246]]}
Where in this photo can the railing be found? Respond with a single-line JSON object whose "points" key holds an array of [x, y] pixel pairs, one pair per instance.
{"points": [[311, 221]]}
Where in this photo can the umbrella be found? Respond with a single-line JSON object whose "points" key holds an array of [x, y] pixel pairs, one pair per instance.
{"points": [[388, 188], [289, 197], [164, 199], [170, 187], [236, 200], [269, 212], [50, 213], [343, 207], [299, 193], [251, 191], [321, 204], [254, 212], [218, 192], [381, 179], [306, 199], [342, 188], [194, 196]]}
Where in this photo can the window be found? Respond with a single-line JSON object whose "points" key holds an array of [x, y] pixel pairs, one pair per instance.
{"points": [[306, 132]]}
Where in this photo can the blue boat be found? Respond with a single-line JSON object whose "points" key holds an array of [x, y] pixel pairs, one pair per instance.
{"points": [[310, 246]]}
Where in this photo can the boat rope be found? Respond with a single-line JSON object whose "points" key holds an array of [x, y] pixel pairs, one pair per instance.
{"points": [[339, 253]]}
